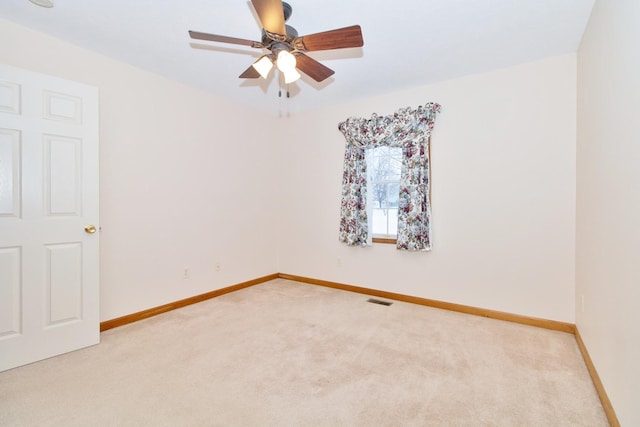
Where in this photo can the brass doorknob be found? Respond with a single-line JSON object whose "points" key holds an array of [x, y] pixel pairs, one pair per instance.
{"points": [[90, 229]]}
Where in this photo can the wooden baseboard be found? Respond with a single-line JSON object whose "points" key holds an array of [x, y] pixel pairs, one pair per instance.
{"points": [[516, 318], [134, 317], [602, 394]]}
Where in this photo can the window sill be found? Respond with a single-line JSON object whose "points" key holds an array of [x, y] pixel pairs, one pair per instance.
{"points": [[390, 241]]}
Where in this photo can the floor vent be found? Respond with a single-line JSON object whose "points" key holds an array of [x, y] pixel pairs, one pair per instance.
{"points": [[378, 301]]}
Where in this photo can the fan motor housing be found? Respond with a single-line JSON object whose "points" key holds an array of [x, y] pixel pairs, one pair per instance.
{"points": [[287, 10], [292, 33]]}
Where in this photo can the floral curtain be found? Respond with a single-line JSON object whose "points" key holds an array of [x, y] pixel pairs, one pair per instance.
{"points": [[406, 128]]}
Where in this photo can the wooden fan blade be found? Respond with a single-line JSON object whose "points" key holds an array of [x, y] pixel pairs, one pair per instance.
{"points": [[271, 15], [333, 39], [224, 39], [250, 73], [312, 68]]}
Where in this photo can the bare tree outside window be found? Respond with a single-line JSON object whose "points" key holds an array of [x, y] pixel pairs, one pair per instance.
{"points": [[384, 165]]}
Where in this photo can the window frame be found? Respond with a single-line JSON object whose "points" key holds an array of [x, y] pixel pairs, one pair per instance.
{"points": [[391, 240], [386, 240], [381, 238]]}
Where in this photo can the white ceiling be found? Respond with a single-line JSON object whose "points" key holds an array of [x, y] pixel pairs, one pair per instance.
{"points": [[406, 42]]}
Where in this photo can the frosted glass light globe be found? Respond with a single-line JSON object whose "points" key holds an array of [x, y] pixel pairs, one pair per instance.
{"points": [[286, 61]]}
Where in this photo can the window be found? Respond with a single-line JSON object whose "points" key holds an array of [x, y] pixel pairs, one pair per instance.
{"points": [[402, 209], [383, 187]]}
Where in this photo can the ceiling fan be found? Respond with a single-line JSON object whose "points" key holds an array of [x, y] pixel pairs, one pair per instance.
{"points": [[286, 48]]}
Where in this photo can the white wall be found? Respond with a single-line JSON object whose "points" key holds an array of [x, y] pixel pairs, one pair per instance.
{"points": [[171, 194], [503, 187], [503, 194], [608, 200]]}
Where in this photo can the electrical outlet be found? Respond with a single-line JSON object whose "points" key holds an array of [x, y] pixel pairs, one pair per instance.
{"points": [[218, 266], [582, 303], [185, 273], [339, 262]]}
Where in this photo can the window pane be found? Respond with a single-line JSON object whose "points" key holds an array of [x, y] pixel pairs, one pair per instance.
{"points": [[393, 194], [384, 222], [383, 151], [384, 165], [379, 222], [393, 221], [379, 195], [395, 164]]}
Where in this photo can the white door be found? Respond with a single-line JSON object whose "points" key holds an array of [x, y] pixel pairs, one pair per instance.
{"points": [[48, 195]]}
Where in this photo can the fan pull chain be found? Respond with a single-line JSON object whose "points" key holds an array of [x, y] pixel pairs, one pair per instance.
{"points": [[280, 93]]}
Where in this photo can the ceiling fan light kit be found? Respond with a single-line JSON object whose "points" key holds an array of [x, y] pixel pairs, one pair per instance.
{"points": [[291, 76], [286, 48], [263, 66], [286, 61]]}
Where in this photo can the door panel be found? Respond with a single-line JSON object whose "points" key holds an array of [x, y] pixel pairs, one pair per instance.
{"points": [[62, 167], [9, 173], [64, 283], [10, 301], [48, 194]]}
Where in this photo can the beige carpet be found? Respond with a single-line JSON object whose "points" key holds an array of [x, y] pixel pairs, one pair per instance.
{"points": [[289, 354]]}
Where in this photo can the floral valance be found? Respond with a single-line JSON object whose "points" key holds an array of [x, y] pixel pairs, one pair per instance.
{"points": [[398, 129], [408, 129]]}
